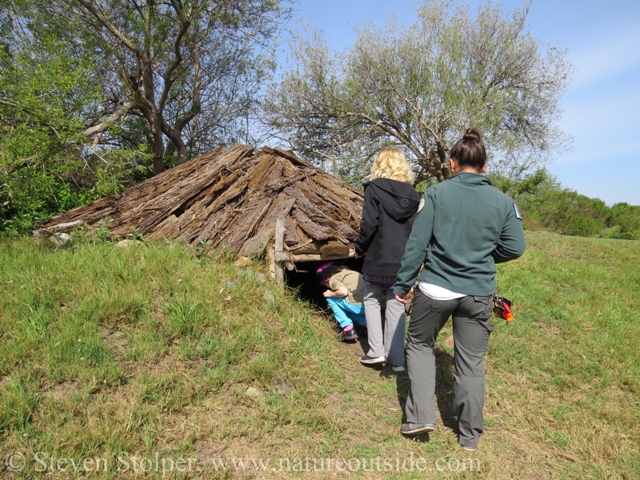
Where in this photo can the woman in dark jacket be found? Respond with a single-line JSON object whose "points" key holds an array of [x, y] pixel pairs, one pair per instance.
{"points": [[390, 205]]}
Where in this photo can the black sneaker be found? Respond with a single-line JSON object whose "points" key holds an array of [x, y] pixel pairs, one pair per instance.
{"points": [[416, 428], [367, 360], [348, 335]]}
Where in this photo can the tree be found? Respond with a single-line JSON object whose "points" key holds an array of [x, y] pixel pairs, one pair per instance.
{"points": [[49, 95], [546, 205], [625, 221], [90, 91], [421, 87], [516, 186], [188, 68], [43, 97]]}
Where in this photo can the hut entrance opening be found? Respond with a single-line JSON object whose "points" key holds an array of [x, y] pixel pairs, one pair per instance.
{"points": [[303, 280]]}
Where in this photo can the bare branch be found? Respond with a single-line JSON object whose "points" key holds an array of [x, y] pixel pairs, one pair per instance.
{"points": [[105, 21], [111, 120]]}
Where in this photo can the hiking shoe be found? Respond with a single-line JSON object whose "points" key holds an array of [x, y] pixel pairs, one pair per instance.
{"points": [[416, 428], [398, 368], [471, 448], [473, 443], [367, 360], [348, 335]]}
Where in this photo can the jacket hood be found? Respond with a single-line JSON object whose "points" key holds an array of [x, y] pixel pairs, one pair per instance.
{"points": [[399, 199]]}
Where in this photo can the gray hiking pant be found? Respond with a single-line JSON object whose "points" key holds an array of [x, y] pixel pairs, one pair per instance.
{"points": [[471, 330], [391, 344]]}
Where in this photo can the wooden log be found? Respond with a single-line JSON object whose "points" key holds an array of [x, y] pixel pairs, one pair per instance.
{"points": [[280, 208], [291, 232], [314, 230], [347, 232], [296, 248], [340, 191], [279, 246], [266, 226], [231, 194], [310, 210], [246, 222], [318, 258], [288, 155], [183, 193], [271, 261], [255, 176], [283, 182], [336, 202], [308, 249], [212, 225], [282, 257], [276, 172], [255, 245], [334, 249], [167, 229]]}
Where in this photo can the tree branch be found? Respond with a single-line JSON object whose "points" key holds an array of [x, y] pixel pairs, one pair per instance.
{"points": [[105, 21], [113, 118], [168, 82]]}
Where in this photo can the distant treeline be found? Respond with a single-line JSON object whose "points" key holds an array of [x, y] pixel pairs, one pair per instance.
{"points": [[546, 205]]}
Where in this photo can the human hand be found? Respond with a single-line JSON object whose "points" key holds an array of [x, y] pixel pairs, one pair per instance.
{"points": [[402, 299], [327, 294]]}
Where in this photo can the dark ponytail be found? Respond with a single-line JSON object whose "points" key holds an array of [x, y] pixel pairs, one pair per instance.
{"points": [[469, 150]]}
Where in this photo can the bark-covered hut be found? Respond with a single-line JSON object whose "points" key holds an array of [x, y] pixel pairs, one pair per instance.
{"points": [[231, 199]]}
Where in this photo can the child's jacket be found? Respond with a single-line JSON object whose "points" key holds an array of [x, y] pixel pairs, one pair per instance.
{"points": [[354, 283]]}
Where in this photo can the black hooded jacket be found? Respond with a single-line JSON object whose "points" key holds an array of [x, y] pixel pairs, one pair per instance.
{"points": [[389, 209]]}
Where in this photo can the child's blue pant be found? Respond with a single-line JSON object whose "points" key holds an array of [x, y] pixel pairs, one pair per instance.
{"points": [[346, 313]]}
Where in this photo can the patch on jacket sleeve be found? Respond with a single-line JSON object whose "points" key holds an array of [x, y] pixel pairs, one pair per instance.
{"points": [[422, 204], [518, 216]]}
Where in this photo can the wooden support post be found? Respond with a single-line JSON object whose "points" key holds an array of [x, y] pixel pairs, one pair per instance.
{"points": [[271, 258], [279, 247]]}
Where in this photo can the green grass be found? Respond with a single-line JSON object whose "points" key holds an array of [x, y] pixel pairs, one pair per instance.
{"points": [[109, 355]]}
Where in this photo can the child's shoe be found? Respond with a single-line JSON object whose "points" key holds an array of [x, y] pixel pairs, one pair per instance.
{"points": [[348, 335]]}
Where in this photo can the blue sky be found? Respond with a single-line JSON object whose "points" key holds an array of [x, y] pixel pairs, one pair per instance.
{"points": [[601, 109]]}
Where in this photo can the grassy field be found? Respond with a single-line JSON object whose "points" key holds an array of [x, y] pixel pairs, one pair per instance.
{"points": [[156, 361]]}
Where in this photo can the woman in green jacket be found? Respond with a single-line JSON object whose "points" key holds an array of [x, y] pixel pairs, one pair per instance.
{"points": [[463, 228]]}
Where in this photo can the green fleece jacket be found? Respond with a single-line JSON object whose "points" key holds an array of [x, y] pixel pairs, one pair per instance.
{"points": [[463, 228]]}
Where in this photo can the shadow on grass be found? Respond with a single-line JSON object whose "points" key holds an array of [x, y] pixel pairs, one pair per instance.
{"points": [[444, 387], [363, 340]]}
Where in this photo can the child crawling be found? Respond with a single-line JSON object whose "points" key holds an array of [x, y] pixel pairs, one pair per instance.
{"points": [[345, 296]]}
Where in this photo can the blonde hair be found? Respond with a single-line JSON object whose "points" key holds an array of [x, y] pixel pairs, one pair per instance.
{"points": [[390, 163]]}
